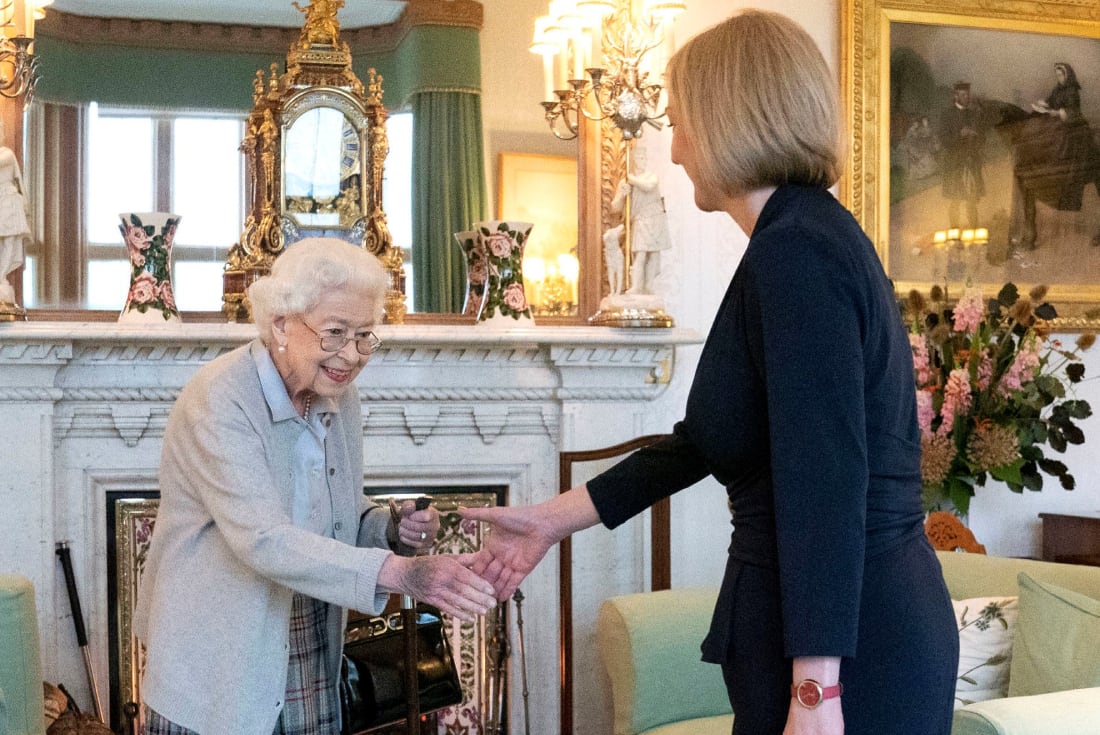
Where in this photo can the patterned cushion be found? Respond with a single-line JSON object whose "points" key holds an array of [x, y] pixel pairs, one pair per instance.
{"points": [[986, 625]]}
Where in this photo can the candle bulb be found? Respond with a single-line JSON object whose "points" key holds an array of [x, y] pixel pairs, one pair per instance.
{"points": [[548, 76]]}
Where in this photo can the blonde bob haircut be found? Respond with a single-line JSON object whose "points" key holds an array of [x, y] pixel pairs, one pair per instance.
{"points": [[759, 103], [311, 268]]}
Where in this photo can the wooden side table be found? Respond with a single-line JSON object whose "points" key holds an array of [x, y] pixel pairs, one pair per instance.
{"points": [[1071, 539]]}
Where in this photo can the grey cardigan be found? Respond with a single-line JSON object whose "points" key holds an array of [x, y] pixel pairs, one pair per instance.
{"points": [[225, 560]]}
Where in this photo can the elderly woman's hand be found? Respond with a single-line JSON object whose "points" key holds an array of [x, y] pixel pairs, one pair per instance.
{"points": [[442, 580], [418, 528]]}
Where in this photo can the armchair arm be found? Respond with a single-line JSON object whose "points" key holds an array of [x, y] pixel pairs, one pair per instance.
{"points": [[1056, 713], [649, 644]]}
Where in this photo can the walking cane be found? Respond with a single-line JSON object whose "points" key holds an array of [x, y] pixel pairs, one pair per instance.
{"points": [[78, 621], [408, 627]]}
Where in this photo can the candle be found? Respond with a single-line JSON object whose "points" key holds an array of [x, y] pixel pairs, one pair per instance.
{"points": [[548, 76]]}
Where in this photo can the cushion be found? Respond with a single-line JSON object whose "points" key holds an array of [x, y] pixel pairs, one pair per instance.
{"points": [[717, 725], [1057, 640], [1073, 712], [985, 626]]}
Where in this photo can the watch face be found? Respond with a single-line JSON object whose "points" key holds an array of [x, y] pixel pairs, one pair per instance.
{"points": [[809, 693]]}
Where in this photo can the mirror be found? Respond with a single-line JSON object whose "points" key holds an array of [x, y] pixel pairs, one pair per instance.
{"points": [[433, 47], [321, 171]]}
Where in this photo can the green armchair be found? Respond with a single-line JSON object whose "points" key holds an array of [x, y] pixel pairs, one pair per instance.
{"points": [[21, 706], [649, 645]]}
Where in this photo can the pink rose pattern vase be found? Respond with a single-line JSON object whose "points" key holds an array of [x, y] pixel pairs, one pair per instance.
{"points": [[502, 242], [148, 237], [477, 271]]}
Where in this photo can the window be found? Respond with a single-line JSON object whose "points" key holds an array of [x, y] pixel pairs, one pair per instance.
{"points": [[188, 163], [185, 163], [397, 190]]}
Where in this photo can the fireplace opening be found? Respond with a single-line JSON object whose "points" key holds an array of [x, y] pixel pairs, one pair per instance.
{"points": [[479, 648]]}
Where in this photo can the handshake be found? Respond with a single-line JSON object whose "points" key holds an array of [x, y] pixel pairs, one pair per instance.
{"points": [[467, 585]]}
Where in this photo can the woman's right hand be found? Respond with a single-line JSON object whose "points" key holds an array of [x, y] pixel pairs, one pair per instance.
{"points": [[442, 580]]}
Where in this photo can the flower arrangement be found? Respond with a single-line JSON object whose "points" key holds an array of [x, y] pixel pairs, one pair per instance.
{"points": [[992, 389]]}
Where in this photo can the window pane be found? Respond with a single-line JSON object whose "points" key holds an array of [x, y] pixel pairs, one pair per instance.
{"points": [[198, 285], [207, 181], [108, 283], [397, 188], [30, 270], [120, 173]]}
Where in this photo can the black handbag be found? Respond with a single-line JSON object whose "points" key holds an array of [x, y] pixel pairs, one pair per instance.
{"points": [[372, 678]]}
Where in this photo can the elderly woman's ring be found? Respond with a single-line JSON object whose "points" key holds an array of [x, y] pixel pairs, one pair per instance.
{"points": [[423, 535]]}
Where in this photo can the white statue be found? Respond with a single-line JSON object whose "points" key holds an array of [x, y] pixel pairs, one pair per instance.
{"points": [[14, 229], [613, 258], [648, 223]]}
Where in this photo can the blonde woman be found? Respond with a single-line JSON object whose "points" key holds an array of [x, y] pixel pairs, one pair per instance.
{"points": [[833, 616]]}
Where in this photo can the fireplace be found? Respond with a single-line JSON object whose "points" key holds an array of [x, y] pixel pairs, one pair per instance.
{"points": [[460, 407]]}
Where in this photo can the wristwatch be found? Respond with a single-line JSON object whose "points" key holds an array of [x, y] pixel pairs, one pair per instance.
{"points": [[810, 693]]}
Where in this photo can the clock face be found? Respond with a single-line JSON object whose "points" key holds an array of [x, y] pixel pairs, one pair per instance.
{"points": [[349, 152], [809, 693]]}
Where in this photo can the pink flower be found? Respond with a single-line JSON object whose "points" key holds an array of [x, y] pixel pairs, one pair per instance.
{"points": [[169, 236], [968, 311], [478, 272], [499, 244], [1023, 367], [925, 412], [164, 291], [514, 298], [920, 359], [144, 289], [956, 398], [136, 242], [985, 371]]}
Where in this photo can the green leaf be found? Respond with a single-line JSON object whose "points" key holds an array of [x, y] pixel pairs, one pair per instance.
{"points": [[1009, 473], [1075, 372], [1008, 295], [1046, 311], [1073, 434], [1053, 467], [1030, 477], [1067, 481], [1078, 409]]}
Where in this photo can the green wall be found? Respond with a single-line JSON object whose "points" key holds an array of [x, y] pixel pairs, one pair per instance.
{"points": [[428, 58]]}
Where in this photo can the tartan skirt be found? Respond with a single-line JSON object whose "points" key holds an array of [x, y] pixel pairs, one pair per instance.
{"points": [[310, 706]]}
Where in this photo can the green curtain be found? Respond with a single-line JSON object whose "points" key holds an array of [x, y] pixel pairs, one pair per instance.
{"points": [[448, 194]]}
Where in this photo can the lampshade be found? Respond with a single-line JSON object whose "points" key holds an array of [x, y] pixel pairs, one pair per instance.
{"points": [[546, 38]]}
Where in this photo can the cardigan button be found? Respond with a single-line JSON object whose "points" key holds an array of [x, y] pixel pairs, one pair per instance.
{"points": [[338, 525], [331, 471]]}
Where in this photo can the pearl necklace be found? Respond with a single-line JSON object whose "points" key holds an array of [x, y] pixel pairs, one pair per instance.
{"points": [[309, 405]]}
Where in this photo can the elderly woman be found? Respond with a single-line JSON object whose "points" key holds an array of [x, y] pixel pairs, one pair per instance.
{"points": [[833, 616], [263, 537]]}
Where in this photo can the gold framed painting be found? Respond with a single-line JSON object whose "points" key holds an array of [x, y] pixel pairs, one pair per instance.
{"points": [[975, 144], [542, 189]]}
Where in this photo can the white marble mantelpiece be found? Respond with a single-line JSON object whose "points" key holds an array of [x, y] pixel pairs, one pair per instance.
{"points": [[84, 406]]}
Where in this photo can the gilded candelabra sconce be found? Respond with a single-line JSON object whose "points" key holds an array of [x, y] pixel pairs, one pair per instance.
{"points": [[18, 64], [600, 62], [315, 147]]}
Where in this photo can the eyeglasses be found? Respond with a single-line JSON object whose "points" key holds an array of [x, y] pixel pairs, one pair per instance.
{"points": [[365, 344]]}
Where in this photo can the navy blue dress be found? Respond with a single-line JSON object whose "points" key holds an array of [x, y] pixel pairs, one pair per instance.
{"points": [[803, 406]]}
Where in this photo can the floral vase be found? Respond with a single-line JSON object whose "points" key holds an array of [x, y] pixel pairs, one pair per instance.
{"points": [[504, 302], [148, 237], [477, 268]]}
